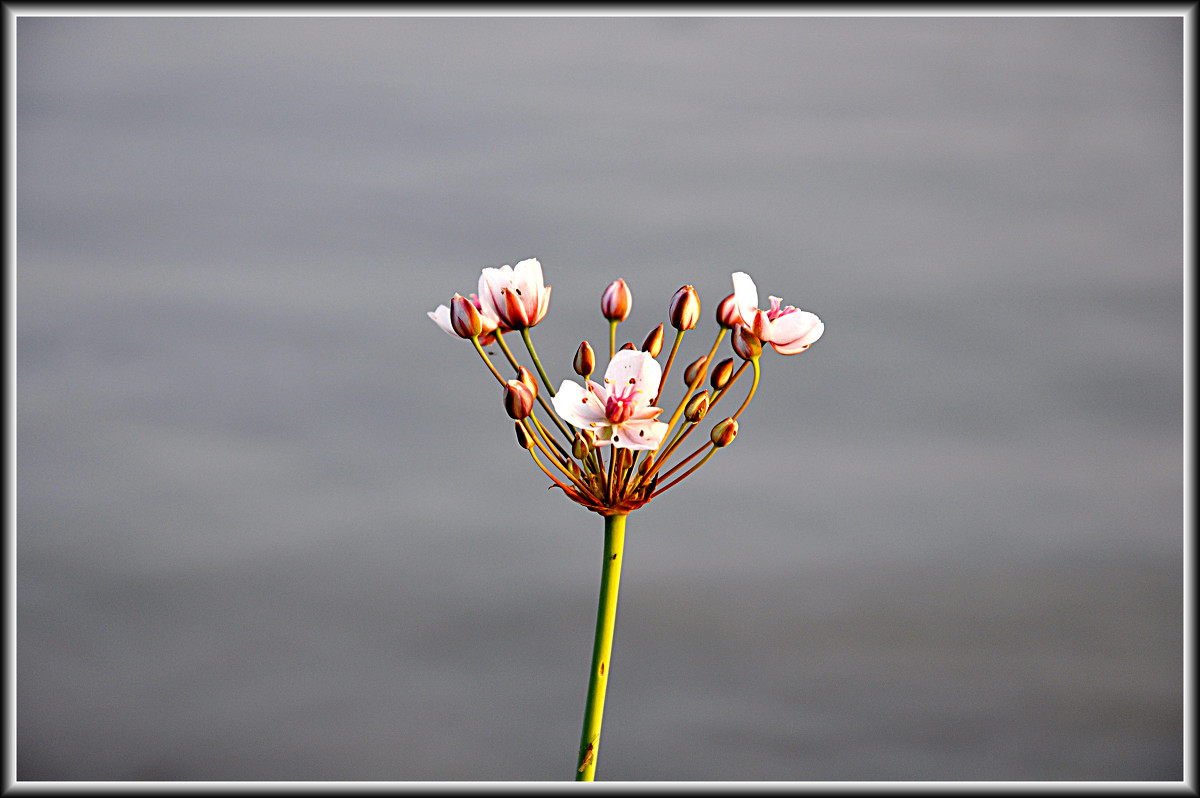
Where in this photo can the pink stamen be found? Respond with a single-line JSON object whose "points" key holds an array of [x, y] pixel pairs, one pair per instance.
{"points": [[775, 312], [619, 406]]}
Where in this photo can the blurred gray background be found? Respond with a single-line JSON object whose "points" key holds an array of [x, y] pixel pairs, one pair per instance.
{"points": [[273, 524]]}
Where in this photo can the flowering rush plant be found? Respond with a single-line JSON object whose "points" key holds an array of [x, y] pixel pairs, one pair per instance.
{"points": [[606, 446]]}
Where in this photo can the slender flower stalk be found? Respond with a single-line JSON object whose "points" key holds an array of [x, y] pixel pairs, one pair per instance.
{"points": [[536, 360], [620, 414], [606, 624]]}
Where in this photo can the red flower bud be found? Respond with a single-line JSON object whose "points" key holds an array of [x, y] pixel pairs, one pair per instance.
{"points": [[697, 407], [585, 360], [684, 309], [528, 380], [518, 401], [721, 374], [728, 315], [746, 344], [627, 345], [695, 372], [523, 439], [724, 433], [653, 342], [464, 318], [585, 441], [616, 301]]}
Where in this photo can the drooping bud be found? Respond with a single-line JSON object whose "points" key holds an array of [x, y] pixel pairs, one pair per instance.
{"points": [[724, 433], [627, 345], [616, 301], [653, 342], [684, 310], [523, 439], [694, 373], [697, 407], [518, 400], [728, 315], [585, 441], [746, 344], [721, 374], [464, 318], [528, 380], [585, 360]]}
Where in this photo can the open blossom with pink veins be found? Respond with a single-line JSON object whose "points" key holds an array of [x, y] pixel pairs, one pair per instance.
{"points": [[516, 296], [619, 411], [789, 330]]}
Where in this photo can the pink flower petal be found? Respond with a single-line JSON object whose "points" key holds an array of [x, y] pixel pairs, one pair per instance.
{"points": [[442, 317], [792, 333], [578, 406], [746, 296], [637, 434]]}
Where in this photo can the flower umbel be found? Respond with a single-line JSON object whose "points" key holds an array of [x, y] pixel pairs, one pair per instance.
{"points": [[604, 444]]}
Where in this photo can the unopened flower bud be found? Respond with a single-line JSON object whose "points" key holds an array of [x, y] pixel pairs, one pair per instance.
{"points": [[627, 345], [616, 301], [585, 360], [523, 439], [646, 464], [728, 315], [518, 400], [724, 433], [694, 373], [653, 342], [464, 318], [528, 380], [721, 374], [697, 407], [746, 344], [684, 310], [585, 441]]}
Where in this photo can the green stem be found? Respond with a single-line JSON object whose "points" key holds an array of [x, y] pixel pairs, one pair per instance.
{"points": [[536, 361], [753, 388], [612, 339], [606, 622]]}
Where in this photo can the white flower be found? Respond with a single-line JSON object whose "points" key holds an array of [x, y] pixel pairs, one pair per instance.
{"points": [[789, 330], [517, 297], [618, 412]]}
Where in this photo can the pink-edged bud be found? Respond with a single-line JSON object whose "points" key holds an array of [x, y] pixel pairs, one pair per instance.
{"points": [[721, 374], [627, 345], [728, 315], [464, 318], [694, 373], [523, 439], [684, 310], [518, 400], [585, 441], [697, 407], [616, 301], [585, 360], [653, 342], [528, 380], [746, 344], [724, 433]]}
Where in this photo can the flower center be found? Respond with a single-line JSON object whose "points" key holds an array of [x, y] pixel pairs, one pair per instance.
{"points": [[776, 311], [619, 406]]}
